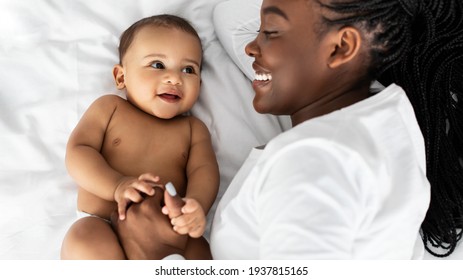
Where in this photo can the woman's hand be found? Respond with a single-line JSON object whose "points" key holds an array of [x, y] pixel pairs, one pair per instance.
{"points": [[146, 234], [131, 189]]}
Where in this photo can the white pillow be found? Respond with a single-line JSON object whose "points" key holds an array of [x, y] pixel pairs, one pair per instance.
{"points": [[236, 23], [237, 26]]}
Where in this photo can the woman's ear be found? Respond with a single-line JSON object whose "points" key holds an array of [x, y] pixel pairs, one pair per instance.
{"points": [[346, 46], [118, 74]]}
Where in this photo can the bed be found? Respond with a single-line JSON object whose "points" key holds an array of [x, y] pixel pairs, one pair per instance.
{"points": [[56, 58]]}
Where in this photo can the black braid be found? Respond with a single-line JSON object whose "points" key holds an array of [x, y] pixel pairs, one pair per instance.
{"points": [[418, 44]]}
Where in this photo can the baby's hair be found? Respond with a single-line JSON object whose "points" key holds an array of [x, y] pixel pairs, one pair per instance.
{"points": [[418, 44], [162, 20]]}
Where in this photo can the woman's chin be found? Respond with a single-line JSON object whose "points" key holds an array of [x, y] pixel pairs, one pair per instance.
{"points": [[260, 108]]}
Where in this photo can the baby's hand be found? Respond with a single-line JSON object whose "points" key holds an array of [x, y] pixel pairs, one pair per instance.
{"points": [[192, 221], [130, 189]]}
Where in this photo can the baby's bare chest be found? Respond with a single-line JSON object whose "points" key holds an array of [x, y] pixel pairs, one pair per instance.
{"points": [[137, 143]]}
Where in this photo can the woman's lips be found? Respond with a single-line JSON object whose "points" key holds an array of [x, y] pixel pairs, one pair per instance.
{"points": [[258, 83], [261, 79]]}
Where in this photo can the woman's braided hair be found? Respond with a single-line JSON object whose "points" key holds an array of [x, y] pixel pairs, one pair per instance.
{"points": [[418, 44]]}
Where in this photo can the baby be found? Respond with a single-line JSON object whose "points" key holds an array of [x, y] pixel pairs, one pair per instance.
{"points": [[122, 148]]}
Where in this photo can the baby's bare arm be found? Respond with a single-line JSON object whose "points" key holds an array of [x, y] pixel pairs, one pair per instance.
{"points": [[202, 167], [84, 162], [202, 186]]}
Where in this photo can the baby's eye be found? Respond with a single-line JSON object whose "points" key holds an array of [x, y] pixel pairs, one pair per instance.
{"points": [[188, 70], [157, 65]]}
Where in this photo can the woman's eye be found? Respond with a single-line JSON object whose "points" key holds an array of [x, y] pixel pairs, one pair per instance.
{"points": [[188, 70], [157, 65], [269, 34]]}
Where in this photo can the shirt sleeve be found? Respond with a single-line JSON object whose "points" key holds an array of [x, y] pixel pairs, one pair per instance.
{"points": [[308, 202]]}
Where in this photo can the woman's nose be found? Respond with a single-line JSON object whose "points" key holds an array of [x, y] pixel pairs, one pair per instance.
{"points": [[251, 48]]}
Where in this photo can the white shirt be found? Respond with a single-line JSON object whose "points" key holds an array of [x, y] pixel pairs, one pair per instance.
{"points": [[347, 185]]}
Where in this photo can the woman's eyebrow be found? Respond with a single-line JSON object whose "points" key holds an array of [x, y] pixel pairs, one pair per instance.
{"points": [[274, 10]]}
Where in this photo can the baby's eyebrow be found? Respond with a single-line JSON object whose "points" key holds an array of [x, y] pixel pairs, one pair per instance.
{"points": [[192, 61], [162, 56], [155, 55]]}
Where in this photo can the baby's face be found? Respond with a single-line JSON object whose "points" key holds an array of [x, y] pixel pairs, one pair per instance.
{"points": [[162, 71]]}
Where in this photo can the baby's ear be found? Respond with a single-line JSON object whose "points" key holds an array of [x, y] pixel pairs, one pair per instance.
{"points": [[118, 74], [346, 45]]}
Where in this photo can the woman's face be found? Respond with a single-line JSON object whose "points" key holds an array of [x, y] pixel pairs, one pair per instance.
{"points": [[290, 59]]}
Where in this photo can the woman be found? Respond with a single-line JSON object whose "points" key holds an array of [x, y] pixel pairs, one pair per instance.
{"points": [[350, 179]]}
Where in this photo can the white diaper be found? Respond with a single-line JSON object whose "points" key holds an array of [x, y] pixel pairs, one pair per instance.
{"points": [[82, 214]]}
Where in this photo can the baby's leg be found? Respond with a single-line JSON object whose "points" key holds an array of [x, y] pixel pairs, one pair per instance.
{"points": [[197, 249], [91, 238]]}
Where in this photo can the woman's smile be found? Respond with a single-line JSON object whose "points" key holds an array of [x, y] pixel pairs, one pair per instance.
{"points": [[262, 78]]}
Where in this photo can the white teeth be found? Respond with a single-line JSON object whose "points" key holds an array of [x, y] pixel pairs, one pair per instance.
{"points": [[263, 77]]}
